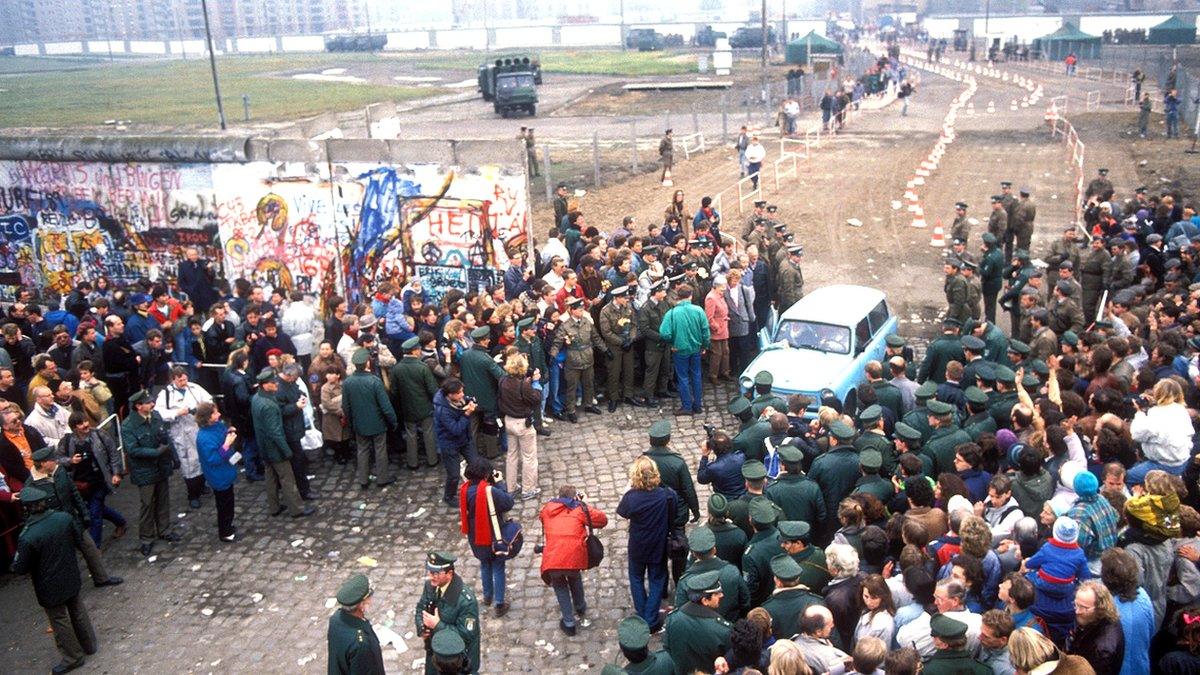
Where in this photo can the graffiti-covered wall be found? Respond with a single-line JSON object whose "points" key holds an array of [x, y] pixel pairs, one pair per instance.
{"points": [[321, 227]]}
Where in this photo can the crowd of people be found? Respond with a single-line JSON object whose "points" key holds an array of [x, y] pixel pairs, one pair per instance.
{"points": [[1011, 503]]}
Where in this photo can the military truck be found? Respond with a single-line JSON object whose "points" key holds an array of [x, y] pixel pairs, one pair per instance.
{"points": [[643, 39], [355, 43], [707, 37], [750, 37], [510, 83]]}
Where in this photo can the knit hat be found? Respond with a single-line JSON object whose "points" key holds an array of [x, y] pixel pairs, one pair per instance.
{"points": [[1005, 439], [1086, 484], [1066, 529], [1157, 514]]}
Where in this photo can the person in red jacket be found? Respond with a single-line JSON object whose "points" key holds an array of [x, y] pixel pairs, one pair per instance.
{"points": [[564, 555]]}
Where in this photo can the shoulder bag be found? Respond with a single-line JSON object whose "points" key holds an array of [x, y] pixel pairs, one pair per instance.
{"points": [[507, 538], [595, 547]]}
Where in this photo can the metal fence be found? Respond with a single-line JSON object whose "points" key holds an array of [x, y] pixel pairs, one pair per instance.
{"points": [[618, 152]]}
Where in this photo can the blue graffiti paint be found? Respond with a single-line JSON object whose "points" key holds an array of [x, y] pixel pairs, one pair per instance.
{"points": [[379, 220]]}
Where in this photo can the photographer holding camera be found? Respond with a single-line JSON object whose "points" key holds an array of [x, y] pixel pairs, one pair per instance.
{"points": [[725, 471], [566, 520], [452, 410], [518, 401]]}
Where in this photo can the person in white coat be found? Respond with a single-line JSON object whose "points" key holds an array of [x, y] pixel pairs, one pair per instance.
{"points": [[1164, 428], [177, 404], [299, 322]]}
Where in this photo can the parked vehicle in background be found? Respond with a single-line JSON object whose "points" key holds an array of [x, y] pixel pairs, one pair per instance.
{"points": [[750, 37], [355, 43], [643, 39]]}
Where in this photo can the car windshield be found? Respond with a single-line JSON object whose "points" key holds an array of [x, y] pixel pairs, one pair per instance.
{"points": [[813, 335], [517, 81]]}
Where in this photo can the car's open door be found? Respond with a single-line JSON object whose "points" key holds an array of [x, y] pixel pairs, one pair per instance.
{"points": [[768, 330]]}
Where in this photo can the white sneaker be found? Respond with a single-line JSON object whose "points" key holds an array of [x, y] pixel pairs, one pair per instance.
{"points": [[530, 494]]}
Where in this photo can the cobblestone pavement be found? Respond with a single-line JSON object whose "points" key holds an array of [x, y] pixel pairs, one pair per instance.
{"points": [[261, 605]]}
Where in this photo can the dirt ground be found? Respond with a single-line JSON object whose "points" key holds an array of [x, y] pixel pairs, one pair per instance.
{"points": [[862, 174]]}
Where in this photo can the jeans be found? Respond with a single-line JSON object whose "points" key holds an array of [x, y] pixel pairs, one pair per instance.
{"points": [[742, 163], [754, 168], [568, 589], [553, 392], [98, 512], [1173, 124], [1136, 475], [251, 462], [450, 460], [646, 600], [491, 569], [904, 106], [687, 376]]}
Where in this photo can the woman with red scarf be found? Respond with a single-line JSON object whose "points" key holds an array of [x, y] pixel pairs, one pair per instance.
{"points": [[475, 521]]}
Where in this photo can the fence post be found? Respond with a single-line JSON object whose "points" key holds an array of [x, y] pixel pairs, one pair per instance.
{"points": [[596, 158], [633, 143], [667, 117], [695, 121], [546, 172], [724, 118]]}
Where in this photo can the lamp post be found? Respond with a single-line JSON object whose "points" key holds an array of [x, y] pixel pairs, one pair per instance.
{"points": [[212, 63]]}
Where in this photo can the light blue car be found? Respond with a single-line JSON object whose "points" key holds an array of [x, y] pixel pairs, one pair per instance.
{"points": [[823, 342]]}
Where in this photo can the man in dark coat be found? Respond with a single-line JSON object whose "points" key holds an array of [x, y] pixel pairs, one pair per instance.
{"points": [[413, 388], [120, 362], [695, 633], [46, 550], [370, 415], [447, 603], [703, 545], [952, 657], [837, 470], [237, 387], [791, 597], [196, 279], [843, 593], [151, 463], [274, 448], [942, 351], [292, 396], [353, 646], [481, 378]]}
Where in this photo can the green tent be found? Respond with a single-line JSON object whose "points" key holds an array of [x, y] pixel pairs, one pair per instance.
{"points": [[1173, 31], [797, 50], [1067, 40]]}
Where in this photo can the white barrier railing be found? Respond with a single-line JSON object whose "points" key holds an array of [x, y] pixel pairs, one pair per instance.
{"points": [[698, 138], [781, 168], [1093, 101], [793, 146], [748, 190]]}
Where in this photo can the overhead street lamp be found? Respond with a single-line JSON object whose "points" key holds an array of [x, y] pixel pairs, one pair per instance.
{"points": [[212, 63]]}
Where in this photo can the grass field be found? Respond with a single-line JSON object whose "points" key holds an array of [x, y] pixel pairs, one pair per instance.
{"points": [[578, 62], [75, 93]]}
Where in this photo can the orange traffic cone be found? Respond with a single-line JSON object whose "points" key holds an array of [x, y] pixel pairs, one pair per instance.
{"points": [[919, 217], [939, 236], [667, 182]]}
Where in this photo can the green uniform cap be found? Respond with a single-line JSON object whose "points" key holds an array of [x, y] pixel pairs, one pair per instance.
{"points": [[870, 459], [739, 405], [754, 470], [790, 454], [43, 454], [1005, 374], [894, 340], [1070, 338], [763, 511], [701, 540], [972, 343], [1018, 347], [139, 396], [237, 345], [785, 567], [793, 530], [942, 626], [481, 332], [1031, 381], [525, 323], [1038, 366], [32, 495], [447, 642], [660, 430], [705, 582], [411, 343], [871, 415], [990, 239], [907, 432], [354, 590], [986, 371], [439, 560], [633, 633], [975, 395], [927, 390], [267, 375], [936, 407], [360, 357], [841, 431], [718, 505], [764, 378]]}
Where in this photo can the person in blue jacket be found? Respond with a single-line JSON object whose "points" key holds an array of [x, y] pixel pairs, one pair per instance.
{"points": [[214, 445], [452, 411], [725, 471], [650, 509]]}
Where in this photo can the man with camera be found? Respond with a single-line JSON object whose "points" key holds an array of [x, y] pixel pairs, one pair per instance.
{"points": [[452, 411], [725, 471], [567, 520], [447, 603]]}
